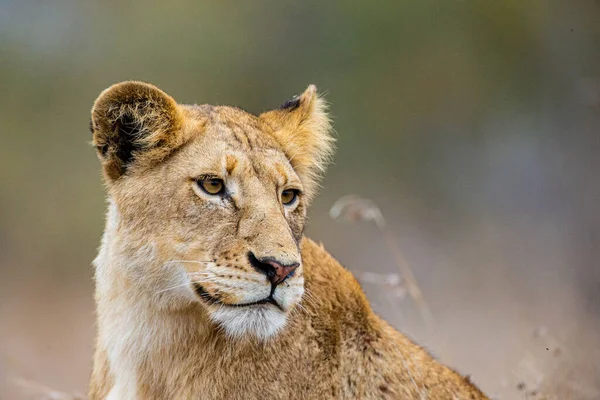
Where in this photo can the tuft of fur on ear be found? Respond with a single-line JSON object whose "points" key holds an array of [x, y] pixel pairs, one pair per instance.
{"points": [[134, 124], [303, 129]]}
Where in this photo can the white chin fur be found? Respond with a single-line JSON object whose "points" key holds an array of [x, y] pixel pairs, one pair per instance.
{"points": [[261, 322]]}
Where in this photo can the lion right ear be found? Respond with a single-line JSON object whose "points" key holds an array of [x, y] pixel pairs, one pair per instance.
{"points": [[134, 124], [303, 129]]}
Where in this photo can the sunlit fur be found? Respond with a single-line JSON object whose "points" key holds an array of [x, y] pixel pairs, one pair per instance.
{"points": [[159, 335]]}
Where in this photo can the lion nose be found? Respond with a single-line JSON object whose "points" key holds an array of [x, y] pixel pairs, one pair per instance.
{"points": [[282, 272], [274, 270]]}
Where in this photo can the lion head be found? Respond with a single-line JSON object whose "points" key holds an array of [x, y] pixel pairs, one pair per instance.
{"points": [[208, 203]]}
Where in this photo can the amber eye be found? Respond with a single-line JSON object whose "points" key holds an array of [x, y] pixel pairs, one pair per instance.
{"points": [[211, 186], [288, 197]]}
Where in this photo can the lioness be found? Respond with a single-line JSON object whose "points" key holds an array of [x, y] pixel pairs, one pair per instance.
{"points": [[205, 285]]}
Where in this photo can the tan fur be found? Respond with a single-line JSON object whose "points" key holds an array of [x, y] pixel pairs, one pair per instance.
{"points": [[168, 245]]}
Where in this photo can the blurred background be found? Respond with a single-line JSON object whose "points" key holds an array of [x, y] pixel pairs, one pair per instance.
{"points": [[473, 125]]}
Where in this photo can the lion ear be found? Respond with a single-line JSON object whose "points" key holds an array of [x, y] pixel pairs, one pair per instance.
{"points": [[303, 129], [134, 124]]}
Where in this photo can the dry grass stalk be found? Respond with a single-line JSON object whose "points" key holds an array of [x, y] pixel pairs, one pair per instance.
{"points": [[354, 208]]}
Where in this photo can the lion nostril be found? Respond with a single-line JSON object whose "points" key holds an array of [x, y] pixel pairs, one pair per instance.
{"points": [[275, 271], [261, 267]]}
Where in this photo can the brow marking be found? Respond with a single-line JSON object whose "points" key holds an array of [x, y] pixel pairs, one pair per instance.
{"points": [[281, 170], [230, 163]]}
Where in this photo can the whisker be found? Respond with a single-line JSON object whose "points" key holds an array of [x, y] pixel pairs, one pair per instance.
{"points": [[299, 308], [224, 275], [176, 286], [309, 298], [205, 277], [172, 287], [200, 273], [188, 261]]}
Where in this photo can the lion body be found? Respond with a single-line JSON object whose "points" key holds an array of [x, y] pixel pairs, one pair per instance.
{"points": [[169, 248]]}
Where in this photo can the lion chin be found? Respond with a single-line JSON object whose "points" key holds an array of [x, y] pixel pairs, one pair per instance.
{"points": [[259, 321]]}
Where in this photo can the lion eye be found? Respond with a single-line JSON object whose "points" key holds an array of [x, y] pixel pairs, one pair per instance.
{"points": [[288, 197], [212, 186]]}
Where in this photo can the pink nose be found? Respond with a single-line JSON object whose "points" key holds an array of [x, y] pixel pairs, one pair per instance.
{"points": [[275, 271], [282, 272]]}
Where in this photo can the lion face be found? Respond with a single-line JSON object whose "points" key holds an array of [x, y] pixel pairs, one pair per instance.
{"points": [[209, 203]]}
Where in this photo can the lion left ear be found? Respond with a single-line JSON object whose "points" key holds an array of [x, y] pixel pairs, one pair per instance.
{"points": [[133, 124], [303, 128]]}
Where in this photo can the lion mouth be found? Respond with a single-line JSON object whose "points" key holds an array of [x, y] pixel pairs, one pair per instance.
{"points": [[204, 295]]}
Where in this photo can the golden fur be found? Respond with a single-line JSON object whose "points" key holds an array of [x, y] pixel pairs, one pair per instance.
{"points": [[179, 288]]}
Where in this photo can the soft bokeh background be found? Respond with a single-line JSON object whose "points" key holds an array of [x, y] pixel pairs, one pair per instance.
{"points": [[474, 125]]}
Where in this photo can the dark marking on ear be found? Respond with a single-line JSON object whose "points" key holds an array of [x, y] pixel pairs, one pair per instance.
{"points": [[102, 149], [291, 104], [128, 130], [91, 126]]}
